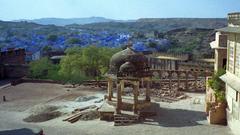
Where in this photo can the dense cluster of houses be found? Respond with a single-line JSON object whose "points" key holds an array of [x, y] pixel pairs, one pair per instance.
{"points": [[35, 41]]}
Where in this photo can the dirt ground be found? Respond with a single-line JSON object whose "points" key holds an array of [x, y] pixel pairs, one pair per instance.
{"points": [[26, 95], [185, 117]]}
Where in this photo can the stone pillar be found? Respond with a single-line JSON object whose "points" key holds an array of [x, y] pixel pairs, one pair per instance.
{"points": [[119, 99], [148, 99], [178, 80], [170, 80], [135, 96], [110, 87], [122, 87], [195, 79], [160, 78], [165, 64], [186, 81], [176, 65], [170, 64]]}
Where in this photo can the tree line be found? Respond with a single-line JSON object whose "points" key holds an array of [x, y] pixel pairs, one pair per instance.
{"points": [[79, 64]]}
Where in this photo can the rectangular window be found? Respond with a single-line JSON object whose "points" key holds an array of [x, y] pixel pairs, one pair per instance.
{"points": [[223, 40]]}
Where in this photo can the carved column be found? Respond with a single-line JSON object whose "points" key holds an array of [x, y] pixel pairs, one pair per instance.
{"points": [[160, 78], [178, 80], [119, 99], [170, 65], [122, 87], [135, 96], [170, 79], [110, 87], [195, 79], [176, 65], [165, 64], [186, 81]]}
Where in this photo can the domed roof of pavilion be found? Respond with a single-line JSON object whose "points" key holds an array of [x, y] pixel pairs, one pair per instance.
{"points": [[126, 61], [127, 67]]}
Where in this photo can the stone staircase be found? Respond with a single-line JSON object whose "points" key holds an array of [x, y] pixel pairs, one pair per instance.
{"points": [[125, 119]]}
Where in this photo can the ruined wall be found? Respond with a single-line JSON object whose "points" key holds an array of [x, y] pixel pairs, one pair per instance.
{"points": [[195, 66], [13, 57], [15, 71]]}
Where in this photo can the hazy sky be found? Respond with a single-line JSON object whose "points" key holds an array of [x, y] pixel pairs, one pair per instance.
{"points": [[116, 9]]}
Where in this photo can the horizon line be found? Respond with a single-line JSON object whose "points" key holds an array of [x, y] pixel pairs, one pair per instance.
{"points": [[23, 19]]}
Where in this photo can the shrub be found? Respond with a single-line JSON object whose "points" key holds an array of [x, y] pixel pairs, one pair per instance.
{"points": [[39, 69], [218, 85]]}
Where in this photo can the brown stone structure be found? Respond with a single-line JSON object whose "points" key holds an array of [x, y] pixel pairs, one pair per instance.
{"points": [[172, 61], [185, 80], [12, 63], [12, 56]]}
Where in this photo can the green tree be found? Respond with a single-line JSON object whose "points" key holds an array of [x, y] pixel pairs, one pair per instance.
{"points": [[87, 62], [42, 69]]}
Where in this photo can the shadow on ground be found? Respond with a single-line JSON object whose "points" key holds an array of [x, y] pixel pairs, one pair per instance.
{"points": [[175, 117], [23, 131]]}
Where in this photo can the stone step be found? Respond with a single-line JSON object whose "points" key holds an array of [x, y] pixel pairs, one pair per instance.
{"points": [[123, 120]]}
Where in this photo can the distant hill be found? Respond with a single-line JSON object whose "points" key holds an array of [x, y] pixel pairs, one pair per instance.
{"points": [[144, 24], [63, 21], [159, 24], [185, 35], [193, 41]]}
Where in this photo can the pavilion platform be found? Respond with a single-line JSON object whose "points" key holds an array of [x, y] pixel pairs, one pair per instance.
{"points": [[127, 116]]}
